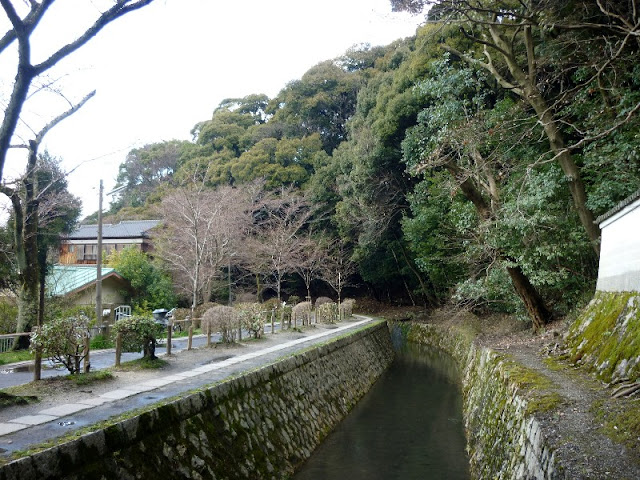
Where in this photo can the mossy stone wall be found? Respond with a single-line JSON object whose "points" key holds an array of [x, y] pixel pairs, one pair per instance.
{"points": [[605, 338], [258, 426], [504, 439]]}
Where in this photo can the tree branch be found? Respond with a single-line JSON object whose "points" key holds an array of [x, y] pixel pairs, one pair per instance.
{"points": [[121, 8], [62, 116]]}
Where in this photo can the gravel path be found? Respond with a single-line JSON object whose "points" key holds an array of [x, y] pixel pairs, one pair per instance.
{"points": [[572, 429]]}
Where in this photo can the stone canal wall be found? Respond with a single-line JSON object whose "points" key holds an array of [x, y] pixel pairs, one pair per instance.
{"points": [[257, 426], [504, 439]]}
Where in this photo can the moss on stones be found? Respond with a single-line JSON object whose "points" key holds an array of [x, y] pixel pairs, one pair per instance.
{"points": [[605, 338], [620, 421], [500, 398], [260, 425]]}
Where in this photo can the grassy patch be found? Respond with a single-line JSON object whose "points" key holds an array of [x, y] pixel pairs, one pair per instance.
{"points": [[185, 333], [538, 389], [90, 378], [101, 342], [15, 356], [9, 400], [53, 385], [143, 364], [620, 420]]}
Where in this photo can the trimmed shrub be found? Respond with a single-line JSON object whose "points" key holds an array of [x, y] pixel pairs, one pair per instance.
{"points": [[252, 317], [222, 319], [302, 313], [285, 315], [101, 341], [200, 310], [321, 301], [62, 340], [138, 333], [327, 313], [346, 308], [246, 297], [270, 304]]}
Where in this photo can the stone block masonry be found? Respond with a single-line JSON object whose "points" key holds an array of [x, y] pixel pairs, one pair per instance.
{"points": [[260, 425], [504, 439]]}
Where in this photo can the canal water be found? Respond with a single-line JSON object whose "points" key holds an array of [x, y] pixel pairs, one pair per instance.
{"points": [[408, 427]]}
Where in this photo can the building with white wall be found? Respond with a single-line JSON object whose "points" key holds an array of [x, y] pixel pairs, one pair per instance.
{"points": [[619, 269]]}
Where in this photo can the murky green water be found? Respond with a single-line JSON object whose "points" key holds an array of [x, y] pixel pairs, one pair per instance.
{"points": [[409, 426]]}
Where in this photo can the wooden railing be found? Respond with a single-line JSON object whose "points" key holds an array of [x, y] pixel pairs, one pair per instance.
{"points": [[7, 340]]}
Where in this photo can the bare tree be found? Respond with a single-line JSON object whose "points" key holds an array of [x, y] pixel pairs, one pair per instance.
{"points": [[338, 269], [26, 198], [24, 18], [201, 227], [280, 221], [308, 259]]}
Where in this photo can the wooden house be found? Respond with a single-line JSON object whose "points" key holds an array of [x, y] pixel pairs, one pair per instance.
{"points": [[81, 246]]}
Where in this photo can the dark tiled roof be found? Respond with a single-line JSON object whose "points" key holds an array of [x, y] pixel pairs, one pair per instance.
{"points": [[126, 229], [627, 201]]}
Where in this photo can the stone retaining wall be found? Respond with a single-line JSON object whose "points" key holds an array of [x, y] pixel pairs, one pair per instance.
{"points": [[257, 426], [605, 338], [504, 440]]}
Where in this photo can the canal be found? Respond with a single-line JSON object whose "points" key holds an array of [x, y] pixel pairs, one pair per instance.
{"points": [[408, 427]]}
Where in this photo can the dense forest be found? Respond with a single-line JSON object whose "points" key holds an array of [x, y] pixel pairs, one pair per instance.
{"points": [[466, 164]]}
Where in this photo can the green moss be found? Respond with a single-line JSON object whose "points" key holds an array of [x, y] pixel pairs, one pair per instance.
{"points": [[606, 334], [538, 390], [143, 364], [620, 420], [90, 378]]}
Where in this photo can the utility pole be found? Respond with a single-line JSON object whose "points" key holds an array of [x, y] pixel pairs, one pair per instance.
{"points": [[99, 262]]}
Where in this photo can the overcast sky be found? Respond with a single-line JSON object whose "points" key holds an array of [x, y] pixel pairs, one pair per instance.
{"points": [[162, 69]]}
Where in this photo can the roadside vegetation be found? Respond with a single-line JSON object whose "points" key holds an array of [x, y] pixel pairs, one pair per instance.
{"points": [[428, 172]]}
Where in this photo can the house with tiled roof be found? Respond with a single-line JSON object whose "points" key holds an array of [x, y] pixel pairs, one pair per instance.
{"points": [[78, 282], [81, 246], [619, 269]]}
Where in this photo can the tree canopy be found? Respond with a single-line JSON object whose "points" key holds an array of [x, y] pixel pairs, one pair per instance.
{"points": [[465, 164]]}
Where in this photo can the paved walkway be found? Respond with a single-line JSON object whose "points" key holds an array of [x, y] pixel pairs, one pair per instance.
{"points": [[24, 426]]}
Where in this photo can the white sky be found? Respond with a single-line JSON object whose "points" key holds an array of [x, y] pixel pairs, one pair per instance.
{"points": [[162, 69]]}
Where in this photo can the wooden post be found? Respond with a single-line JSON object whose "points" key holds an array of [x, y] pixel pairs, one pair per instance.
{"points": [[169, 339], [239, 329], [118, 348], [37, 365], [208, 334], [87, 348], [273, 317], [190, 341]]}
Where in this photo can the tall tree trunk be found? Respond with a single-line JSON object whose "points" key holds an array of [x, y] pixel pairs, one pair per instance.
{"points": [[569, 168], [428, 292], [531, 298], [536, 308], [26, 238], [529, 91], [406, 287]]}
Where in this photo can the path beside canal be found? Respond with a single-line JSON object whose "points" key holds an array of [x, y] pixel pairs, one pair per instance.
{"points": [[67, 407]]}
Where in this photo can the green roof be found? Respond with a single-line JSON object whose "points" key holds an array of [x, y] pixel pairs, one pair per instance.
{"points": [[64, 279]]}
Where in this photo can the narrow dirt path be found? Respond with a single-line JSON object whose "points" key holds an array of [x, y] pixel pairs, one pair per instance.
{"points": [[572, 428]]}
